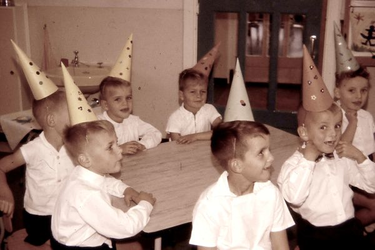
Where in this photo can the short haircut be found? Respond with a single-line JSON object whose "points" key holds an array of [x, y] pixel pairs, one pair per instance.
{"points": [[228, 139], [77, 137], [189, 74], [50, 104], [111, 82], [361, 72], [303, 113]]}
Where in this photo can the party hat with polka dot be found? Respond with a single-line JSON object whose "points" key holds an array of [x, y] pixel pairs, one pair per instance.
{"points": [[315, 95], [345, 61], [123, 66], [79, 110], [205, 64], [40, 85], [238, 104]]}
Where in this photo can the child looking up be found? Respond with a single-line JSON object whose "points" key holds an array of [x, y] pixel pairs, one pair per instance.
{"points": [[195, 118], [47, 166], [133, 134], [243, 209], [83, 215]]}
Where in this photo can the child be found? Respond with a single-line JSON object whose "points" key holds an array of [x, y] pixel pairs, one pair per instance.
{"points": [[47, 165], [243, 209], [84, 217], [195, 118], [133, 134]]}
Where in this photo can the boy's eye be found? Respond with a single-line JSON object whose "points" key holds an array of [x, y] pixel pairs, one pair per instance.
{"points": [[129, 98], [364, 90], [323, 127], [337, 126]]}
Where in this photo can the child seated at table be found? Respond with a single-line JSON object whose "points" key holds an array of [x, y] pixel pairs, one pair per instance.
{"points": [[195, 118], [243, 209], [84, 217], [134, 135], [47, 166]]}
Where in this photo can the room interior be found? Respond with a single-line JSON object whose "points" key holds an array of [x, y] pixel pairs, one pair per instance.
{"points": [[165, 43]]}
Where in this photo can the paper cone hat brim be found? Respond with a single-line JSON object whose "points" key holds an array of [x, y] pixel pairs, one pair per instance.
{"points": [[79, 110], [345, 61], [205, 64], [238, 105], [123, 66], [40, 85], [315, 95]]}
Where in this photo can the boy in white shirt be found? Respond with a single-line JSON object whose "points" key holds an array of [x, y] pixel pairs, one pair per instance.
{"points": [[133, 134], [243, 209]]}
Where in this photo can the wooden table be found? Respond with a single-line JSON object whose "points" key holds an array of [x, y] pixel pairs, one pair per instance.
{"points": [[176, 174]]}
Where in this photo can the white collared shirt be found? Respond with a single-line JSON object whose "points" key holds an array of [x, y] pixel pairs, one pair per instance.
{"points": [[184, 122], [134, 129], [224, 220], [84, 216], [364, 135], [46, 169], [320, 192]]}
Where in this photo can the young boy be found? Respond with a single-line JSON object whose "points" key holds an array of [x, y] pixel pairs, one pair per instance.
{"points": [[84, 217], [318, 189], [133, 134], [47, 166], [243, 209], [195, 118]]}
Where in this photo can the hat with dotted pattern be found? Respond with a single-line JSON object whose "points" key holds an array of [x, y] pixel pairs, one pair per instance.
{"points": [[123, 66], [315, 95], [238, 104], [79, 109], [41, 86], [205, 64], [345, 61]]}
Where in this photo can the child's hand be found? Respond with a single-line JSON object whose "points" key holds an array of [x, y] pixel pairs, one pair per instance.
{"points": [[352, 117], [132, 147], [346, 149], [143, 196], [310, 153], [130, 195], [186, 139], [7, 202]]}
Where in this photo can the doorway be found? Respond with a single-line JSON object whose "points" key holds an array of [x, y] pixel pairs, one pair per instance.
{"points": [[267, 37]]}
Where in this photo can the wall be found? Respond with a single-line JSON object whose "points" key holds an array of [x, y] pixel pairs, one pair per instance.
{"points": [[98, 29]]}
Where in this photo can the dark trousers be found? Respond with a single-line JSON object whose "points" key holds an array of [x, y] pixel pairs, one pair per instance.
{"points": [[58, 246], [38, 228], [347, 235]]}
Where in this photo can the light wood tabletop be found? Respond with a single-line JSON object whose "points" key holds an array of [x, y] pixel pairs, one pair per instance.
{"points": [[176, 174]]}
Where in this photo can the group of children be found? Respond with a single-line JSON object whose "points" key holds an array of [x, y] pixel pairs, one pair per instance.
{"points": [[69, 166]]}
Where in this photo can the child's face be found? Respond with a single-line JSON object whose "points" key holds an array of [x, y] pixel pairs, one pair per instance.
{"points": [[324, 130], [352, 93], [256, 162], [105, 154], [194, 95], [118, 102]]}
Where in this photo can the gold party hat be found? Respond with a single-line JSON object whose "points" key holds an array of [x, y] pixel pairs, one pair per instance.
{"points": [[123, 66], [205, 64]]}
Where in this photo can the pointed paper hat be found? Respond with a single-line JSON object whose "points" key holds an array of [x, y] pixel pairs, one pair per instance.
{"points": [[123, 66], [345, 61], [40, 85], [315, 95], [204, 65], [79, 110], [238, 105]]}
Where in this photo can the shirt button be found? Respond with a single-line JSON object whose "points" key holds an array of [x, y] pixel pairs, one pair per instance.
{"points": [[58, 157]]}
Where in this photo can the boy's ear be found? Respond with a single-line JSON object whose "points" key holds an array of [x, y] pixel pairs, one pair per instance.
{"points": [[181, 95], [336, 93], [50, 119], [104, 104], [84, 160], [235, 166], [302, 132]]}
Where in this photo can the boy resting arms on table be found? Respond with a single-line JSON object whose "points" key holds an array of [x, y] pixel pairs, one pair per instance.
{"points": [[83, 215]]}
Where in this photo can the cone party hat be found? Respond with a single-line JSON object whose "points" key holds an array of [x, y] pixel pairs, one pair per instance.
{"points": [[79, 110], [123, 66], [40, 85], [345, 61], [205, 64], [238, 104], [315, 95]]}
